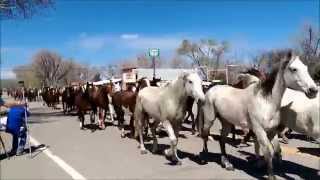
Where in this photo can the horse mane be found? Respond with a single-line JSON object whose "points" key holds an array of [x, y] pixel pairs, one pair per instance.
{"points": [[254, 72], [280, 60]]}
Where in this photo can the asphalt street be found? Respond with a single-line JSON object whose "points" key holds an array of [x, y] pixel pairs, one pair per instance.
{"points": [[102, 154]]}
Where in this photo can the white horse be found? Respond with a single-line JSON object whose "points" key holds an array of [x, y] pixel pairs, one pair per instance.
{"points": [[168, 106], [301, 114], [298, 112], [257, 107]]}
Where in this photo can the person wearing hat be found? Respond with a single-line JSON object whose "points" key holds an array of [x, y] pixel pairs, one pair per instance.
{"points": [[15, 124]]}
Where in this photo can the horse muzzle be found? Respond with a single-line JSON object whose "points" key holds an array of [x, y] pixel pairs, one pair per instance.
{"points": [[312, 92]]}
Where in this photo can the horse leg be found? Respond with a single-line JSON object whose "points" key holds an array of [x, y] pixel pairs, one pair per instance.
{"points": [[132, 125], [226, 127], [101, 118], [121, 121], [233, 131], [193, 131], [247, 137], [266, 147], [282, 133], [64, 107], [139, 118], [110, 109], [154, 137], [81, 119], [277, 149], [172, 152], [92, 115]]}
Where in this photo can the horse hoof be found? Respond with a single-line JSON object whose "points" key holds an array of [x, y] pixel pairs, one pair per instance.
{"points": [[179, 163], [168, 153], [144, 151], [228, 166], [154, 150]]}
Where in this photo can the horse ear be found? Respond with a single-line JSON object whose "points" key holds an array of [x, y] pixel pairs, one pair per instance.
{"points": [[289, 54], [184, 75], [241, 76]]}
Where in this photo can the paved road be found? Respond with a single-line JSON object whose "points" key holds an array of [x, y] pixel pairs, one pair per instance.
{"points": [[75, 153]]}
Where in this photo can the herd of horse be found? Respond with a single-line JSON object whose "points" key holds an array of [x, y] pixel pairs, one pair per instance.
{"points": [[260, 104]]}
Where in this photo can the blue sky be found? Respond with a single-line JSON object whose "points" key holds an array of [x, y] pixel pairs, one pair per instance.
{"points": [[104, 32]]}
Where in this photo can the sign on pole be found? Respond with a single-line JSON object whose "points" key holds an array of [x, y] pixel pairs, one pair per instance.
{"points": [[154, 52]]}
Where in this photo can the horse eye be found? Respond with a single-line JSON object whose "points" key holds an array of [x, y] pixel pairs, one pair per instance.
{"points": [[190, 82], [294, 69]]}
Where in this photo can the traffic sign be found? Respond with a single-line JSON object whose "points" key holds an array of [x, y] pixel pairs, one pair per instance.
{"points": [[154, 52]]}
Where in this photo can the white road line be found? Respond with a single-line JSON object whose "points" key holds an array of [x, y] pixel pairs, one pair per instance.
{"points": [[66, 167]]}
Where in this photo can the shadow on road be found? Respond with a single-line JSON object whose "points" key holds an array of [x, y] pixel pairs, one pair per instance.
{"points": [[34, 149], [280, 170], [311, 151], [244, 165]]}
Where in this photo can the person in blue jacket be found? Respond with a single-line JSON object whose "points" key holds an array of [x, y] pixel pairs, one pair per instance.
{"points": [[15, 125]]}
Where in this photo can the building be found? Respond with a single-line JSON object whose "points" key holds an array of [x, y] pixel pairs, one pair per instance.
{"points": [[130, 75]]}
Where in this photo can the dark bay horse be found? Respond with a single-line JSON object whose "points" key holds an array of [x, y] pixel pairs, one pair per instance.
{"points": [[51, 97], [127, 99], [68, 99], [84, 104]]}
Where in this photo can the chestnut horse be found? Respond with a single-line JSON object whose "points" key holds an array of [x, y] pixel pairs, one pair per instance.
{"points": [[100, 98]]}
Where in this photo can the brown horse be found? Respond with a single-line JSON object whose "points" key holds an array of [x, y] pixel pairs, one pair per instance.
{"points": [[84, 103], [68, 98], [100, 97], [51, 97], [127, 99]]}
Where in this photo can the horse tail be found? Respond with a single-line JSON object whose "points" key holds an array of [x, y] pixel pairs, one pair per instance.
{"points": [[199, 119], [138, 117], [207, 116]]}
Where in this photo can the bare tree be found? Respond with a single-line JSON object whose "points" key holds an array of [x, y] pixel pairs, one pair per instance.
{"points": [[308, 45], [11, 9], [50, 68], [207, 52], [178, 62]]}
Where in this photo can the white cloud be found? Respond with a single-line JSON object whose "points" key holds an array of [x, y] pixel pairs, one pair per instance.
{"points": [[7, 74], [129, 36]]}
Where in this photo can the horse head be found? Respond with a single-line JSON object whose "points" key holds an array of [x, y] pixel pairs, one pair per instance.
{"points": [[193, 85], [143, 82], [297, 77]]}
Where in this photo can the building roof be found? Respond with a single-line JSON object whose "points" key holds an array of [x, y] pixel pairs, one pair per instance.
{"points": [[167, 74]]}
